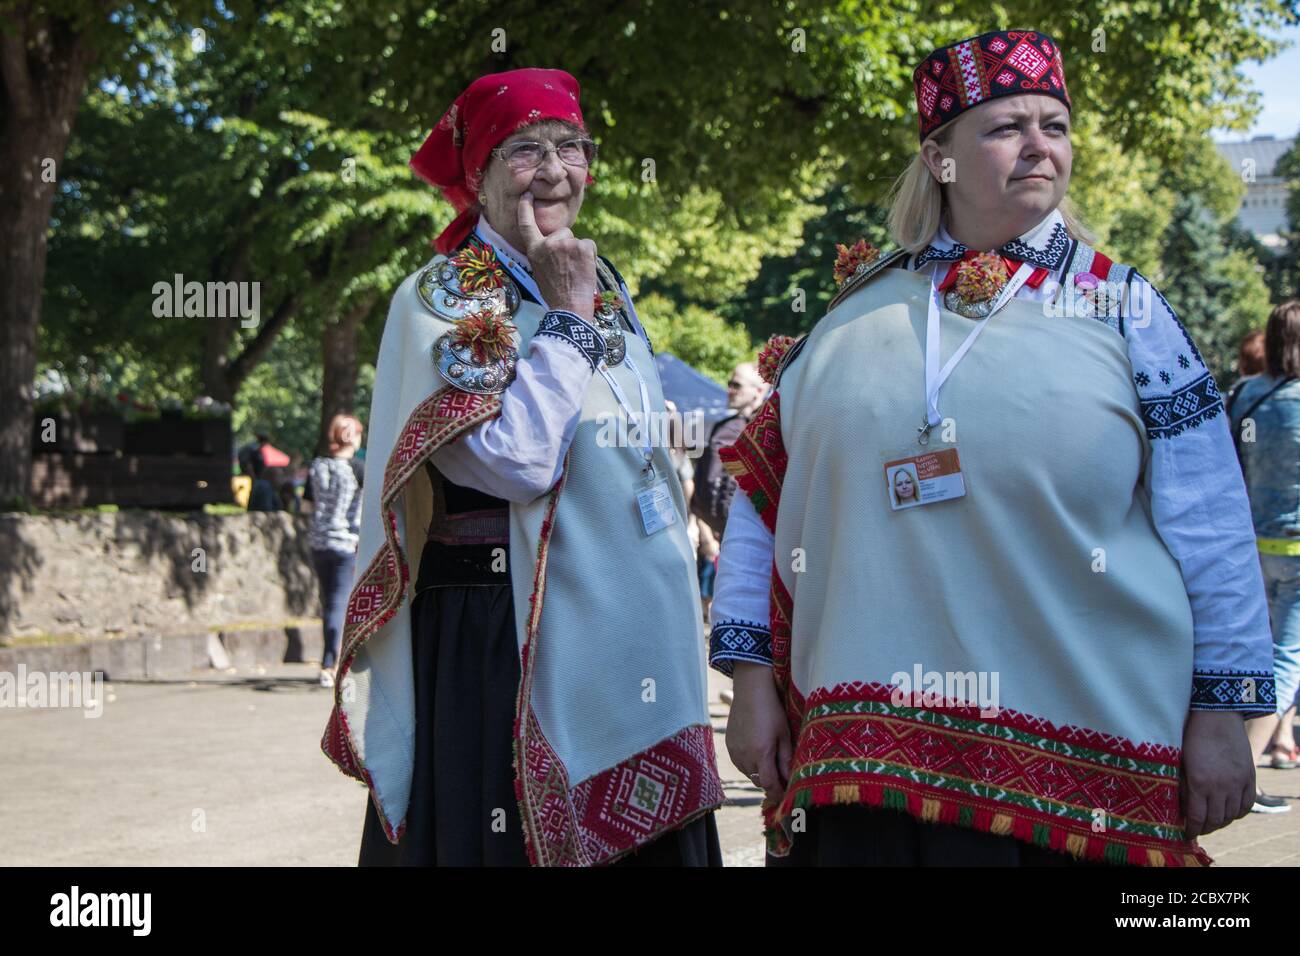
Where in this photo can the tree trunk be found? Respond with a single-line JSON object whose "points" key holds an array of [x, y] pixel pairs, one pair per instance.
{"points": [[339, 362], [43, 68]]}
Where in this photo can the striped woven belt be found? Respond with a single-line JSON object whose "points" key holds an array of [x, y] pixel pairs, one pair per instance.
{"points": [[472, 527], [1287, 546]]}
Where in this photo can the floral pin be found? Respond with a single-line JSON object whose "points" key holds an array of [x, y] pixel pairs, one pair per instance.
{"points": [[981, 277], [770, 356], [487, 333], [852, 258], [478, 268], [608, 301]]}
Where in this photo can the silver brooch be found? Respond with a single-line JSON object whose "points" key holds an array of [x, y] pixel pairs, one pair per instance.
{"points": [[966, 307], [440, 289], [606, 318], [456, 363]]}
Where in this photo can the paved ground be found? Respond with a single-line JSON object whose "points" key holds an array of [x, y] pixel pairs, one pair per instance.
{"points": [[226, 769]]}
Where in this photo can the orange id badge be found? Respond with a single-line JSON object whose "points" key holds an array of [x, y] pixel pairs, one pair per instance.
{"points": [[924, 479]]}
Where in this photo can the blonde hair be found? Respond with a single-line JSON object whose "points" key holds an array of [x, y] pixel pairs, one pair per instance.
{"points": [[344, 432], [916, 203]]}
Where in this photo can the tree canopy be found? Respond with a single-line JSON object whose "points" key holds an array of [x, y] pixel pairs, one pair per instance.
{"points": [[263, 141]]}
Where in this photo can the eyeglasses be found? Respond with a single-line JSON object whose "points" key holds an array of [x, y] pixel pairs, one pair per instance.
{"points": [[527, 155]]}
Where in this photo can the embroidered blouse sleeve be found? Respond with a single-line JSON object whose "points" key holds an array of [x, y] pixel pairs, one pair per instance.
{"points": [[1200, 508], [740, 613], [519, 454]]}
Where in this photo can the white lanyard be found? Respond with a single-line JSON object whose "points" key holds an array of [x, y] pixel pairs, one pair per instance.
{"points": [[648, 454], [521, 275], [934, 376]]}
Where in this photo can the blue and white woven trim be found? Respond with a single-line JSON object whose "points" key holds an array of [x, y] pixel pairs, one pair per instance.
{"points": [[1246, 691], [1167, 416], [732, 641], [575, 330]]}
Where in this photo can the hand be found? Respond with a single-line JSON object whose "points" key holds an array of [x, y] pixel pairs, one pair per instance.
{"points": [[564, 266], [1218, 780], [758, 735]]}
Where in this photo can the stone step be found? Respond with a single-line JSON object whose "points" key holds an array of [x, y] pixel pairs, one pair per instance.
{"points": [[153, 656]]}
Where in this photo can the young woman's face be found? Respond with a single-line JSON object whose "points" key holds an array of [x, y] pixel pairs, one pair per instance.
{"points": [[556, 186], [1010, 158], [904, 487]]}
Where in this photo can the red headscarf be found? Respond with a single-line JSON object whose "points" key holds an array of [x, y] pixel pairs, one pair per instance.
{"points": [[493, 107]]}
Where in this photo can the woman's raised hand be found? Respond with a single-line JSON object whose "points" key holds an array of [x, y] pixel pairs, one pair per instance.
{"points": [[563, 265]]}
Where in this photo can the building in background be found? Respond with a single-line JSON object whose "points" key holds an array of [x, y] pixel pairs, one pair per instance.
{"points": [[1263, 210]]}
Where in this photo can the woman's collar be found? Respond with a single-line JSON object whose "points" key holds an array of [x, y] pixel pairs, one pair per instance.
{"points": [[503, 248], [1046, 245]]}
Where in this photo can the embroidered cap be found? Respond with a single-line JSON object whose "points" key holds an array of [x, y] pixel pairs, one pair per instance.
{"points": [[954, 78]]}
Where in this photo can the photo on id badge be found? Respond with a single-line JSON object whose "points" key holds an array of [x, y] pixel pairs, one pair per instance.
{"points": [[924, 479]]}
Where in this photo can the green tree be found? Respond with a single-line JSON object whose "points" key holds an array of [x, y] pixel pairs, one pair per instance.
{"points": [[223, 162], [48, 49], [1283, 267], [1218, 292]]}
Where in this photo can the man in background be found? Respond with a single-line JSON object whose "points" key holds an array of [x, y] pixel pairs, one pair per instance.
{"points": [[714, 488]]}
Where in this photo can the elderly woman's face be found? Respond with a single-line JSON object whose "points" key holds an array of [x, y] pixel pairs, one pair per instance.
{"points": [[1011, 158], [556, 186]]}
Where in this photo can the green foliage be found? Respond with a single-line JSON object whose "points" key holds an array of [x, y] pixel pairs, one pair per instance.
{"points": [[280, 397], [791, 292], [698, 337], [1284, 268], [277, 153], [1217, 291]]}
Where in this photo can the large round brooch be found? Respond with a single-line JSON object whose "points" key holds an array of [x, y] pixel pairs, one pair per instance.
{"points": [[965, 307], [457, 364], [979, 280], [451, 296], [606, 320]]}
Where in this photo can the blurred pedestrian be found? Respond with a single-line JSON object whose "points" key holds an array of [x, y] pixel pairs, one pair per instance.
{"points": [[263, 496], [1250, 362], [714, 488], [333, 531], [1266, 425]]}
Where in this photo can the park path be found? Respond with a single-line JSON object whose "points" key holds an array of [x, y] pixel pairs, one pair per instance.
{"points": [[225, 769]]}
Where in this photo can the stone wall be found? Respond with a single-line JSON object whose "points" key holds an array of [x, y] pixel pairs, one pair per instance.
{"points": [[151, 573]]}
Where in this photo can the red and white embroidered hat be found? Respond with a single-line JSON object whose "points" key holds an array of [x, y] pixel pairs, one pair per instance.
{"points": [[954, 78]]}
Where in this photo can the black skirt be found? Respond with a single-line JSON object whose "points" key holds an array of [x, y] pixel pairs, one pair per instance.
{"points": [[867, 836], [463, 810]]}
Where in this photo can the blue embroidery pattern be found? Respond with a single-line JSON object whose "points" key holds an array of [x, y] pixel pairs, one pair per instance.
{"points": [[1049, 257], [1226, 690], [733, 641], [1170, 415], [572, 329]]}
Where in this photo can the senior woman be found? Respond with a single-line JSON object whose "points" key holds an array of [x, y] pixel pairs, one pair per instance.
{"points": [[1081, 546], [521, 678]]}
